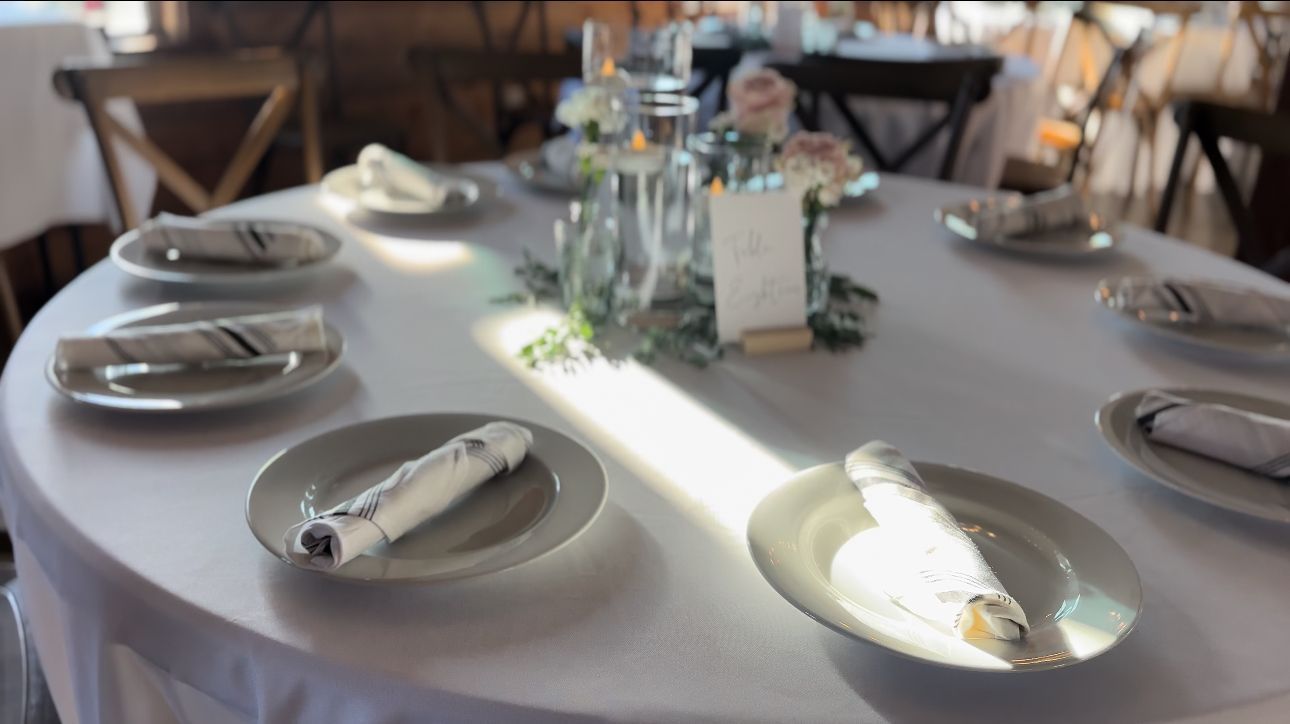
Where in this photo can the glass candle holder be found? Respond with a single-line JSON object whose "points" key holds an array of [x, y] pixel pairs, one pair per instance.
{"points": [[656, 224], [657, 60]]}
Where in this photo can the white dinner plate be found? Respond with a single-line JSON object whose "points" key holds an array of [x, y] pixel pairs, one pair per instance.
{"points": [[344, 182], [129, 254], [817, 545], [1268, 343], [544, 503], [1093, 237], [1206, 479], [853, 192], [178, 388], [527, 165]]}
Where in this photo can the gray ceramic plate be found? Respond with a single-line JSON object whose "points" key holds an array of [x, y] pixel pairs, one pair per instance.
{"points": [[547, 501], [815, 543], [130, 256], [528, 166], [1195, 475], [344, 182], [1269, 343], [178, 388], [1091, 238]]}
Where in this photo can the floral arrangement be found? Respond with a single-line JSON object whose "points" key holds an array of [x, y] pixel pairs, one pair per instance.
{"points": [[818, 167], [593, 110], [760, 104]]}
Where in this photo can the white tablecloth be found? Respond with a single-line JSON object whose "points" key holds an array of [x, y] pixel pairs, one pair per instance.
{"points": [[51, 172], [152, 602]]}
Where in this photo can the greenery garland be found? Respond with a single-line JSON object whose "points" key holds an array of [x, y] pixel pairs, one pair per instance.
{"points": [[572, 340]]}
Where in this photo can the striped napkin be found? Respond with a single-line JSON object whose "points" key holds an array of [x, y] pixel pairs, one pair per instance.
{"points": [[1258, 443], [419, 490], [228, 338], [1037, 213], [944, 579], [1194, 302], [252, 243], [387, 172]]}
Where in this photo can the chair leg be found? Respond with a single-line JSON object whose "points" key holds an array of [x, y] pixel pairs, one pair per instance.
{"points": [[46, 266], [9, 301], [78, 247]]}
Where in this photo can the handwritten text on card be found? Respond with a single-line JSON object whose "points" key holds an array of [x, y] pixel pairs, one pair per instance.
{"points": [[758, 262]]}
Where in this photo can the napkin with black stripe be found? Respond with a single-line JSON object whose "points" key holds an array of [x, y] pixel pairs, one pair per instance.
{"points": [[1037, 213], [419, 490], [212, 340], [939, 575], [250, 243], [1258, 443], [1194, 302]]}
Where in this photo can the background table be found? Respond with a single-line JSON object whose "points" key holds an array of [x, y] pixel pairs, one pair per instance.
{"points": [[149, 593], [51, 172]]}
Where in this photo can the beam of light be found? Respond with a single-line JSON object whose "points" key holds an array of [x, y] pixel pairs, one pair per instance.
{"points": [[709, 469], [416, 256]]}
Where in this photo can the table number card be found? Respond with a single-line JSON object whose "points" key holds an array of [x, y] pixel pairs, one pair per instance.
{"points": [[759, 262]]}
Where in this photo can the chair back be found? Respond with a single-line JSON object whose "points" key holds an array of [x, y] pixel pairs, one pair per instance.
{"points": [[959, 83], [184, 79], [522, 82], [1209, 122]]}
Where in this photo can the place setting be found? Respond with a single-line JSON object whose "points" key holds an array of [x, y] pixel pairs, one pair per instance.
{"points": [[385, 185], [1056, 224], [944, 565], [195, 356], [1210, 315]]}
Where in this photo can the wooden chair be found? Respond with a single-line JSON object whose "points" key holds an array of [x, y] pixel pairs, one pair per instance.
{"points": [[529, 74], [1209, 122], [188, 79], [960, 83]]}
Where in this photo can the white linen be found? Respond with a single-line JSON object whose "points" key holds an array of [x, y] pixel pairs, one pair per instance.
{"points": [[399, 177], [419, 490], [1037, 213], [1258, 443], [227, 338], [51, 172], [1198, 302], [251, 243], [983, 359], [940, 574]]}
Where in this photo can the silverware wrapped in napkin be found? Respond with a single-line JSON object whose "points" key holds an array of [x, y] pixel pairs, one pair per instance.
{"points": [[947, 582], [1249, 440], [228, 338], [253, 243], [1164, 300], [1036, 213], [387, 172], [419, 490]]}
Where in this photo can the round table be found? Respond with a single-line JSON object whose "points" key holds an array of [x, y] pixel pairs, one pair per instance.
{"points": [[151, 601]]}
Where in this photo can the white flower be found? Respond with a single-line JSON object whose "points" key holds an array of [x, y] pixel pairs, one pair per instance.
{"points": [[592, 104]]}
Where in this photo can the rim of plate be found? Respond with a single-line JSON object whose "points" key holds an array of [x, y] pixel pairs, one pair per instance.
{"points": [[1180, 332], [274, 546], [117, 321], [1109, 233], [246, 275], [854, 635], [542, 179], [1102, 421], [337, 180]]}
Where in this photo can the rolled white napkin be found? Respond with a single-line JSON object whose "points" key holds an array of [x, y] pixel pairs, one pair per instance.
{"points": [[419, 490], [1259, 443], [1037, 213], [236, 242], [1172, 300], [948, 581], [243, 337], [399, 177]]}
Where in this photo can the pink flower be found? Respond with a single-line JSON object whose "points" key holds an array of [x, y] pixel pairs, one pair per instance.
{"points": [[761, 101], [820, 164]]}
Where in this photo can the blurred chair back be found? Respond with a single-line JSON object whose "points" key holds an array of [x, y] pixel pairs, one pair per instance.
{"points": [[1209, 122], [525, 80], [959, 83], [183, 79]]}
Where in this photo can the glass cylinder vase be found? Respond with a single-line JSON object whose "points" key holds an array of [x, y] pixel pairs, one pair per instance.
{"points": [[658, 60], [817, 267], [590, 252]]}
